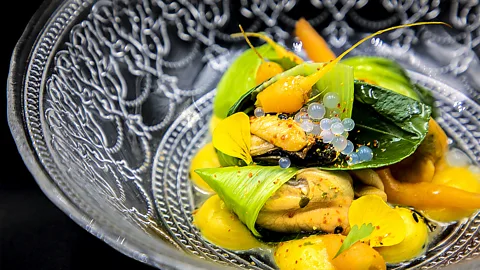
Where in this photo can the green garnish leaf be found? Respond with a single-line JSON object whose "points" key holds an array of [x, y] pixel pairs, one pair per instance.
{"points": [[245, 190], [238, 79], [356, 234]]}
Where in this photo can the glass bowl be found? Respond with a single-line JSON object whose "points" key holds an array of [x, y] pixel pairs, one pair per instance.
{"points": [[108, 101]]}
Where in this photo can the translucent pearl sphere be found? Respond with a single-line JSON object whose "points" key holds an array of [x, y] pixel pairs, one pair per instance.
{"points": [[327, 136], [301, 116], [331, 100], [316, 111], [337, 128], [349, 148], [365, 153], [307, 125], [353, 159], [348, 124], [339, 143], [259, 112], [316, 129], [325, 123], [284, 162]]}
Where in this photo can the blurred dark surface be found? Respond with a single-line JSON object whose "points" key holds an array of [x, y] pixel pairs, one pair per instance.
{"points": [[34, 233]]}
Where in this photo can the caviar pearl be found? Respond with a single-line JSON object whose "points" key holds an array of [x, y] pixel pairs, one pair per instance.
{"points": [[325, 123], [284, 162], [307, 125], [301, 116], [327, 136], [365, 153], [259, 112], [339, 143], [348, 148], [316, 129], [335, 120], [331, 100], [316, 111], [353, 159], [348, 124], [337, 128]]}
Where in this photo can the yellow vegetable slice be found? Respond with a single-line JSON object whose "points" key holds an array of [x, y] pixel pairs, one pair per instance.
{"points": [[415, 242], [222, 227], [206, 157], [389, 228], [232, 137]]}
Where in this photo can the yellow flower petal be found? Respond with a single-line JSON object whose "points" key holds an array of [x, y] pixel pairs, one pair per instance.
{"points": [[232, 136], [389, 226]]}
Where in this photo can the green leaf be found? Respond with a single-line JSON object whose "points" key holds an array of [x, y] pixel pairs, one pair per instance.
{"points": [[245, 190], [383, 72], [356, 234], [391, 124], [238, 79]]}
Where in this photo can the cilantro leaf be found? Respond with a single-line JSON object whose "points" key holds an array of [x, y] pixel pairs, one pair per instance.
{"points": [[356, 234]]}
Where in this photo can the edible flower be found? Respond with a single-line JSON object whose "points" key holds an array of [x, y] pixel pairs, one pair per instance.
{"points": [[373, 222], [232, 137]]}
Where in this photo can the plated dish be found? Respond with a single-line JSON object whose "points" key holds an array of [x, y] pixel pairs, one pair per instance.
{"points": [[329, 163], [109, 102]]}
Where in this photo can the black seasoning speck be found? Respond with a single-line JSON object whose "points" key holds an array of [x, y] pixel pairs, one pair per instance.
{"points": [[338, 229], [415, 217]]}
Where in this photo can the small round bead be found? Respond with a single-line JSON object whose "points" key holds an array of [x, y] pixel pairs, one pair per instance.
{"points": [[259, 112], [284, 162], [307, 125], [301, 116], [327, 136], [337, 128], [349, 148], [326, 124], [339, 143], [353, 159], [316, 111], [282, 116], [365, 153], [331, 100], [456, 158], [335, 120], [348, 123], [316, 129]]}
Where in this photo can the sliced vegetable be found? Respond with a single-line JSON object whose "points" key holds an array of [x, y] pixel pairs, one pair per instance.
{"points": [[206, 157], [315, 46], [427, 195], [221, 226], [245, 190], [415, 242], [317, 252], [239, 78]]}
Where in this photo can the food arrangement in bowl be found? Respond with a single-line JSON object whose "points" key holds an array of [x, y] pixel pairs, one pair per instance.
{"points": [[327, 162]]}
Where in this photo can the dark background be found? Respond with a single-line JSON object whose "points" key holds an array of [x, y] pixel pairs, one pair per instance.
{"points": [[34, 233]]}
